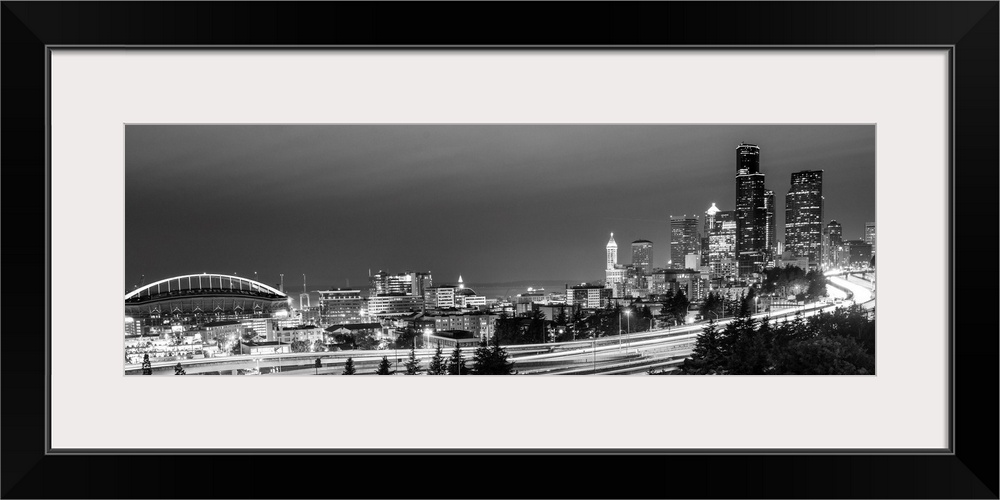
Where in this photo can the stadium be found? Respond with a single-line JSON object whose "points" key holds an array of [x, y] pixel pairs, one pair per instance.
{"points": [[196, 299]]}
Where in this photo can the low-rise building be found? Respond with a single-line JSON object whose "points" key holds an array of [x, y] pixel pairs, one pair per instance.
{"points": [[159, 349], [306, 333], [480, 324], [448, 339], [335, 331], [341, 306], [261, 348], [393, 305], [587, 296]]}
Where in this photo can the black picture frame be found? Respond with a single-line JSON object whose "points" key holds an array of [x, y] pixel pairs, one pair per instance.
{"points": [[969, 29]]}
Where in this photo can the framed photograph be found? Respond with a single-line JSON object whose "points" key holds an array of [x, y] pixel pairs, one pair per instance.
{"points": [[281, 194]]}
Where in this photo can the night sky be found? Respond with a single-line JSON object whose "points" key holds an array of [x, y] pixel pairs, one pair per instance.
{"points": [[494, 203]]}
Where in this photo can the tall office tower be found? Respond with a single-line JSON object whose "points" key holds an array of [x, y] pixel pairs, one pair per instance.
{"points": [[870, 235], [804, 216], [642, 255], [683, 239], [771, 231], [751, 213], [706, 233], [833, 245], [722, 244], [421, 282], [378, 283]]}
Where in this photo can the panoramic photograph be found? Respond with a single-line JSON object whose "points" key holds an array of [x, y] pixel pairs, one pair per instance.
{"points": [[514, 249]]}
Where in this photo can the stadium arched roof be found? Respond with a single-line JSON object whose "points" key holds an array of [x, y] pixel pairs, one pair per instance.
{"points": [[204, 283]]}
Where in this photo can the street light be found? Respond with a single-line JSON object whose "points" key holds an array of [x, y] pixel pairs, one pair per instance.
{"points": [[619, 332], [595, 349], [628, 328]]}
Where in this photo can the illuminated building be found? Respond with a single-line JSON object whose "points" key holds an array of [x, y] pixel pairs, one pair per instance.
{"points": [[440, 296], [771, 229], [722, 244], [132, 327], [614, 274], [870, 235], [405, 283], [587, 296], [341, 306], [192, 300], [448, 339], [304, 333], [642, 255], [859, 253], [688, 280], [337, 333], [163, 349], [804, 216], [833, 245], [482, 325], [706, 231], [751, 211], [467, 297], [683, 239], [523, 301], [393, 304]]}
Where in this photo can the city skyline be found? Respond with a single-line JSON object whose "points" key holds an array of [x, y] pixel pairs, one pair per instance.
{"points": [[497, 203]]}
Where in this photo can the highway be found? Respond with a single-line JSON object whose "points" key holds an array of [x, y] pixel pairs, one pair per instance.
{"points": [[635, 353]]}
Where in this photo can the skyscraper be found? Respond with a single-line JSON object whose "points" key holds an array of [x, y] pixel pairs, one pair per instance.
{"points": [[804, 215], [751, 212], [642, 255], [771, 230], [870, 235], [706, 232], [722, 244], [833, 245], [683, 239]]}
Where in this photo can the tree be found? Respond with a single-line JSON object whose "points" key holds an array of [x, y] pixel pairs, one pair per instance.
{"points": [[456, 365], [578, 323], [561, 318], [319, 364], [406, 338], [384, 367], [492, 359], [349, 367], [236, 348], [437, 365], [147, 367], [508, 329], [707, 356], [536, 328], [645, 315], [711, 308], [178, 369], [412, 363], [364, 340], [318, 346], [300, 346]]}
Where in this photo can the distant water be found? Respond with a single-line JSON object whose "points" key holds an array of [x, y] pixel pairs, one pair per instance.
{"points": [[494, 290]]}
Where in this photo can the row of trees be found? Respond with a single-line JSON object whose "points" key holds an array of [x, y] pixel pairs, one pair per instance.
{"points": [[490, 359], [716, 305], [841, 342], [532, 328]]}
